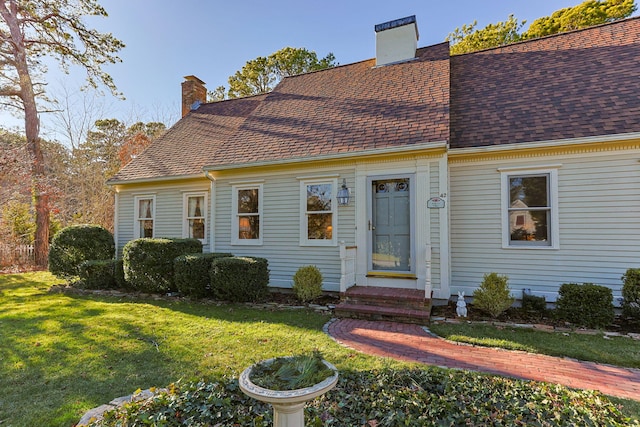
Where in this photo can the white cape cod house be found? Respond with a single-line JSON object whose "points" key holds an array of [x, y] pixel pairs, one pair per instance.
{"points": [[522, 160]]}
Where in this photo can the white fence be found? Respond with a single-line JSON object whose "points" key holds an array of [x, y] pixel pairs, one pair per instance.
{"points": [[15, 254]]}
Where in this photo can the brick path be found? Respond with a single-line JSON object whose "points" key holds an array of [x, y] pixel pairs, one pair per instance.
{"points": [[412, 343]]}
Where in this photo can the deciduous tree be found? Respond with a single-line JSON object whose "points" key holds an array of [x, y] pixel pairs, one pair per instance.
{"points": [[30, 30], [260, 75], [589, 13]]}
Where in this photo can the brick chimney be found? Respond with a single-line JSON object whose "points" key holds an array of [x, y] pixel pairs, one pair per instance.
{"points": [[396, 41], [193, 93]]}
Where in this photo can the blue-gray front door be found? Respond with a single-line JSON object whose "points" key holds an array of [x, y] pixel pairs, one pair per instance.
{"points": [[391, 243]]}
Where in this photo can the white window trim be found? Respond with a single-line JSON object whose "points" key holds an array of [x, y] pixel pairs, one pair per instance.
{"points": [[185, 213], [304, 235], [552, 172], [136, 214], [234, 214]]}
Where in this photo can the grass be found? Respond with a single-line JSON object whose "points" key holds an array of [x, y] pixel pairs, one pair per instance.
{"points": [[63, 354], [619, 351]]}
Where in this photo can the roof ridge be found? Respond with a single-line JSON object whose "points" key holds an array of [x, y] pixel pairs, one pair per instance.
{"points": [[562, 34]]}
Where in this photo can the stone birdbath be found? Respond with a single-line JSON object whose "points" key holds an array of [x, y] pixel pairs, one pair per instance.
{"points": [[288, 405]]}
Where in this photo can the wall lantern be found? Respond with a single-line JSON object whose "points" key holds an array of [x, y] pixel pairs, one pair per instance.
{"points": [[344, 194]]}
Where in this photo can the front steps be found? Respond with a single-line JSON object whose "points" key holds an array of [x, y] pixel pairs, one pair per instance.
{"points": [[392, 304]]}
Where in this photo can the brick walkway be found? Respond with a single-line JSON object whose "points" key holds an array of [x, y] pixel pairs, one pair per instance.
{"points": [[412, 343]]}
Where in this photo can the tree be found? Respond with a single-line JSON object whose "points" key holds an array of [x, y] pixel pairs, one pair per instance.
{"points": [[589, 13], [586, 14], [30, 30], [468, 39], [260, 75]]}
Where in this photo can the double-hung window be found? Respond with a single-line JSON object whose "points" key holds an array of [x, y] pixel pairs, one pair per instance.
{"points": [[246, 226], [529, 208], [194, 216], [144, 216], [318, 212]]}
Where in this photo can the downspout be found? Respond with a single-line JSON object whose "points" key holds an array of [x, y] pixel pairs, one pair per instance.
{"points": [[212, 205], [115, 220]]}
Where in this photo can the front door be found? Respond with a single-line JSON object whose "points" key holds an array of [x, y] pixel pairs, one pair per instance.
{"points": [[391, 243]]}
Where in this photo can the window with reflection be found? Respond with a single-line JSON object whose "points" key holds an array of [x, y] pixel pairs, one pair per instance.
{"points": [[529, 210], [248, 212], [318, 220]]}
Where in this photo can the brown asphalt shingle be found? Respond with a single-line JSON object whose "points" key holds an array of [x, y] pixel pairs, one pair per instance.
{"points": [[573, 85], [192, 142], [579, 84]]}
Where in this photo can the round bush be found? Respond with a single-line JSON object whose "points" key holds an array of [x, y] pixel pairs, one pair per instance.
{"points": [[307, 283], [585, 304], [73, 245], [493, 295], [631, 293], [148, 263]]}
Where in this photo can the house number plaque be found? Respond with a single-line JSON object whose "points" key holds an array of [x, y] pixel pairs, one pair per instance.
{"points": [[435, 203]]}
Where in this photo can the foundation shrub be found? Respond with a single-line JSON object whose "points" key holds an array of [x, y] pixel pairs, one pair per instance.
{"points": [[493, 295], [307, 283], [75, 244], [148, 263], [191, 273], [97, 274], [631, 294], [240, 279], [534, 304], [585, 304]]}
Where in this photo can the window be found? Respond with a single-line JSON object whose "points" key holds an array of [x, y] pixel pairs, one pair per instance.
{"points": [[530, 214], [195, 214], [144, 216], [318, 216], [247, 215]]}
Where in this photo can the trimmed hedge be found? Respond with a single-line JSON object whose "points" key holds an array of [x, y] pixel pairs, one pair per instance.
{"points": [[191, 273], [631, 293], [98, 274], [148, 263], [240, 279], [75, 244], [585, 304]]}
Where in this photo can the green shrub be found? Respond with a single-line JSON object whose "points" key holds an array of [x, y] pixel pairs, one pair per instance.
{"points": [[585, 305], [307, 283], [240, 279], [97, 274], [424, 396], [148, 263], [73, 245], [493, 295], [534, 303], [631, 293], [191, 273], [118, 274]]}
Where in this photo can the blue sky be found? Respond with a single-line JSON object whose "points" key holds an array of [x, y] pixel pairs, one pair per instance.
{"points": [[168, 39]]}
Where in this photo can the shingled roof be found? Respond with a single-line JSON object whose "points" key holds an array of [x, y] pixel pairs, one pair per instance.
{"points": [[579, 84], [192, 142]]}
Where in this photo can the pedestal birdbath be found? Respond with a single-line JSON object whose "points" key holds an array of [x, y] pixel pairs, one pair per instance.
{"points": [[288, 405]]}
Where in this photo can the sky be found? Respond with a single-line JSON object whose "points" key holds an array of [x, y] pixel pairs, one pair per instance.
{"points": [[211, 39]]}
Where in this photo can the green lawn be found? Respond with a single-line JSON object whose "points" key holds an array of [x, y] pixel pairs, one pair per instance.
{"points": [[619, 351], [62, 354]]}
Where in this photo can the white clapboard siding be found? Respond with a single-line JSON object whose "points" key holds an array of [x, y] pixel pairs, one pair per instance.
{"points": [[599, 224], [281, 227], [168, 221]]}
